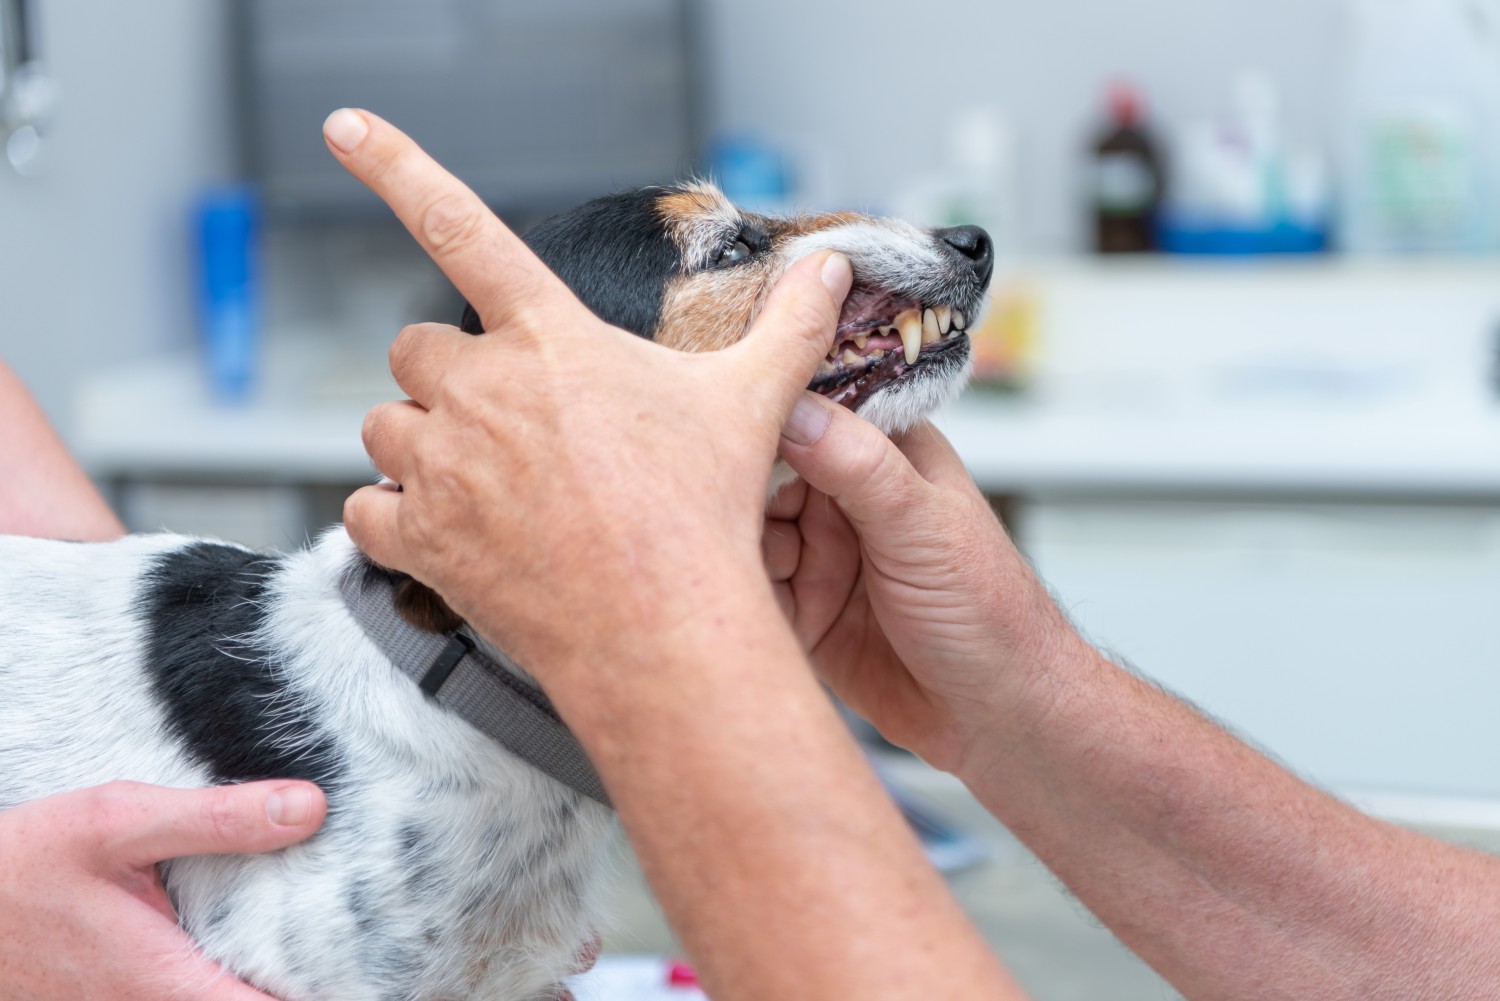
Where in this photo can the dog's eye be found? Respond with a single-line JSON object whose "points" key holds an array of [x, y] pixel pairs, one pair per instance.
{"points": [[734, 253]]}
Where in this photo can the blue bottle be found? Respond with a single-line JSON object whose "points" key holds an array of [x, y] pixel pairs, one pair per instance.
{"points": [[228, 232]]}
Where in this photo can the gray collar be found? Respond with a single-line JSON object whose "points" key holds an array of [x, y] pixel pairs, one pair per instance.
{"points": [[491, 696]]}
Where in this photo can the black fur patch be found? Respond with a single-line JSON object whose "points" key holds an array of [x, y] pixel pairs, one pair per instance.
{"points": [[224, 699], [614, 253]]}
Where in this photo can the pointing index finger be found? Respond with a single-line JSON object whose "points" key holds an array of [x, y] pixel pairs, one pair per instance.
{"points": [[488, 263]]}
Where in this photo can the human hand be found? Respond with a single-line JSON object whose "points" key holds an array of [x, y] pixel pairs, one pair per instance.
{"points": [[83, 915], [917, 609], [622, 481]]}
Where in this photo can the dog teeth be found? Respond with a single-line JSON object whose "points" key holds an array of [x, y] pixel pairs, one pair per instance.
{"points": [[930, 334], [850, 358], [959, 320], [944, 317], [910, 323], [825, 367], [877, 354], [860, 340]]}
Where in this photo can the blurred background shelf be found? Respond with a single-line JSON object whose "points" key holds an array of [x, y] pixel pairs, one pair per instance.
{"points": [[1329, 379]]}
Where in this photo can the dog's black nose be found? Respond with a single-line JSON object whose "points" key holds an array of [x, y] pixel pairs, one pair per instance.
{"points": [[974, 244]]}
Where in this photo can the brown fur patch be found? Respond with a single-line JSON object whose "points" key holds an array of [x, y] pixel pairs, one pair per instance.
{"points": [[801, 225], [714, 309], [691, 202], [711, 310], [421, 607]]}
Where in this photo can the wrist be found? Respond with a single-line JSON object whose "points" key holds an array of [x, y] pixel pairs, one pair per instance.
{"points": [[585, 607], [1038, 688], [663, 639]]}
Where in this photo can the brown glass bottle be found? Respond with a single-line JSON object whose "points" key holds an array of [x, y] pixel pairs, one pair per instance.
{"points": [[1127, 179]]}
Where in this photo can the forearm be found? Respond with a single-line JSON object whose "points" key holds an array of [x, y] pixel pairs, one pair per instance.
{"points": [[1227, 873], [44, 493], [772, 848]]}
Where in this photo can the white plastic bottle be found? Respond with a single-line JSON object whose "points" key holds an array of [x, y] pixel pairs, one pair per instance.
{"points": [[1421, 127]]}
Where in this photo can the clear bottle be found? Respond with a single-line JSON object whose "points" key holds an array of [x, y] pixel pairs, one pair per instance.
{"points": [[1421, 127]]}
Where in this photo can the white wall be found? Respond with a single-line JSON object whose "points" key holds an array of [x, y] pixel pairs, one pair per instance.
{"points": [[94, 253], [870, 84]]}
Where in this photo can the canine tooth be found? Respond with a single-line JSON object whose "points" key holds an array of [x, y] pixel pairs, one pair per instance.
{"points": [[930, 326], [860, 340], [850, 358], [944, 319], [911, 334], [959, 320]]}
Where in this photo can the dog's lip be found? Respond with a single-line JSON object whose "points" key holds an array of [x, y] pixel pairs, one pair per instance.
{"points": [[851, 386], [588, 953], [878, 331]]}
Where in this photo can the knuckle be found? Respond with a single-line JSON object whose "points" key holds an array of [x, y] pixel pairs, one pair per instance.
{"points": [[110, 809], [353, 511], [405, 345], [222, 820], [452, 224], [405, 336], [867, 457], [373, 428], [362, 509], [880, 469], [369, 429], [360, 523]]}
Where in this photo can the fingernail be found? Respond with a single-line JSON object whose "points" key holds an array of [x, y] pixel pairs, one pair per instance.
{"points": [[838, 275], [346, 129], [290, 807], [806, 423]]}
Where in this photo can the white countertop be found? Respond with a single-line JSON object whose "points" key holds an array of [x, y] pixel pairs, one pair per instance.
{"points": [[1436, 446], [1159, 378], [154, 419]]}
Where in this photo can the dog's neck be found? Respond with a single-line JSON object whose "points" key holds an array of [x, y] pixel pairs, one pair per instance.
{"points": [[473, 679]]}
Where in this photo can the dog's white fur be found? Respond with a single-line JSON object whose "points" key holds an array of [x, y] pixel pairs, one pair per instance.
{"points": [[506, 890]]}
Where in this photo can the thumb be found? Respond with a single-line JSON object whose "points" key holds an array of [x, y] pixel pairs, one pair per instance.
{"points": [[852, 461], [794, 331], [142, 825]]}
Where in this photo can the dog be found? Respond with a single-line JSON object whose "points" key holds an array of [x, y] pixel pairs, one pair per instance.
{"points": [[449, 867]]}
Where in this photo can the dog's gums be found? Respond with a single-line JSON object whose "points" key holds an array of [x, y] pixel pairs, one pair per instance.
{"points": [[881, 339]]}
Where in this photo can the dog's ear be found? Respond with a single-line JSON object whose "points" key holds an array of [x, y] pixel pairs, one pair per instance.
{"points": [[470, 324], [615, 254]]}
